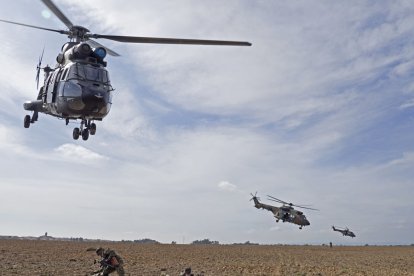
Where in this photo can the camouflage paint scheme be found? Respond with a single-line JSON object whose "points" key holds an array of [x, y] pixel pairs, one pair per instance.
{"points": [[345, 232], [285, 213]]}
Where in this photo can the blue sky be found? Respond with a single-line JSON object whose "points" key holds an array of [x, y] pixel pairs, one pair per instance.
{"points": [[320, 110]]}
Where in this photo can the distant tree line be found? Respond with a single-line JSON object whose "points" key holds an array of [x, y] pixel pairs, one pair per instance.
{"points": [[246, 243], [146, 241], [142, 241], [205, 241]]}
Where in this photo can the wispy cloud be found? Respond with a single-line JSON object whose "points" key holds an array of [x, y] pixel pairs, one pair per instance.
{"points": [[407, 104], [78, 153]]}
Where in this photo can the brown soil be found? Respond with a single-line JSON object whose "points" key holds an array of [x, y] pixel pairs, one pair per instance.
{"points": [[24, 257]]}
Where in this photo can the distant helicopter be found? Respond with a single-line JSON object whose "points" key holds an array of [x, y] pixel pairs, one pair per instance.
{"points": [[78, 87], [286, 212], [345, 232]]}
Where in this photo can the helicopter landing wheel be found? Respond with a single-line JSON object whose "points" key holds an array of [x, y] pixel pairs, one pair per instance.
{"points": [[92, 129], [76, 133], [34, 117], [300, 227], [85, 134], [27, 121]]}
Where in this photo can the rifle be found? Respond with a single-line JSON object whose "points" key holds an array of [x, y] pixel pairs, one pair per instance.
{"points": [[103, 264], [106, 263]]}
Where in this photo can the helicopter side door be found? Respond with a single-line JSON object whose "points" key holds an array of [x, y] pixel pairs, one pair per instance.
{"points": [[51, 85]]}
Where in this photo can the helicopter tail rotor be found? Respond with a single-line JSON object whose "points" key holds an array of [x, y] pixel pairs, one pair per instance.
{"points": [[38, 67], [254, 196]]}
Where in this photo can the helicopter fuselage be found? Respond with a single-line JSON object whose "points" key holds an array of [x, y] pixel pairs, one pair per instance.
{"points": [[77, 88], [284, 213], [289, 214], [344, 232], [78, 91]]}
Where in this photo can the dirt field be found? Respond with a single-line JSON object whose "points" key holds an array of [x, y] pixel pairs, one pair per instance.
{"points": [[19, 257]]}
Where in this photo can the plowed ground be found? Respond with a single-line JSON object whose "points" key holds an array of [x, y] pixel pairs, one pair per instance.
{"points": [[20, 257]]}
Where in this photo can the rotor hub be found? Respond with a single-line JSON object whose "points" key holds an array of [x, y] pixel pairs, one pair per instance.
{"points": [[78, 33]]}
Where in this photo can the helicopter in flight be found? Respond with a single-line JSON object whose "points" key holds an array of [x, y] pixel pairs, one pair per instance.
{"points": [[78, 86], [345, 231], [286, 212]]}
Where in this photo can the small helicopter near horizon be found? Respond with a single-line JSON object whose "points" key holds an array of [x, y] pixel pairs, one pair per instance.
{"points": [[78, 87], [345, 231], [286, 212]]}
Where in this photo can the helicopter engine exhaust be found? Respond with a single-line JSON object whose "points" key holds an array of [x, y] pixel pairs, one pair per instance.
{"points": [[34, 106], [80, 51]]}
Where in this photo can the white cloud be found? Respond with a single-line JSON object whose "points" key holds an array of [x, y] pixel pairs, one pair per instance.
{"points": [[78, 153], [227, 186]]}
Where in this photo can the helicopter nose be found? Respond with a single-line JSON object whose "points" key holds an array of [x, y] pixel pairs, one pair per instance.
{"points": [[306, 222]]}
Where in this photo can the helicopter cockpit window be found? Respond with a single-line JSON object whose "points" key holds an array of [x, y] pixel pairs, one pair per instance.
{"points": [[65, 73], [87, 72], [72, 89]]}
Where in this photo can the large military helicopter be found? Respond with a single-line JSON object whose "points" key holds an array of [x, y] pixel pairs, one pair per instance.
{"points": [[286, 212], [345, 231], [78, 87]]}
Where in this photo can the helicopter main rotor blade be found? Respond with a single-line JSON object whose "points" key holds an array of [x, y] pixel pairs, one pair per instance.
{"points": [[305, 207], [290, 204], [58, 13], [161, 40], [95, 44], [284, 204], [36, 27], [277, 200]]}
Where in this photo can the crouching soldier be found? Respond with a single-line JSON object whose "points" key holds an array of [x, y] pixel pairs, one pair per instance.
{"points": [[110, 262]]}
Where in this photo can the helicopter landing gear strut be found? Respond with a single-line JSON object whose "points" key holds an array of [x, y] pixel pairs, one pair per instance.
{"points": [[30, 120], [86, 128]]}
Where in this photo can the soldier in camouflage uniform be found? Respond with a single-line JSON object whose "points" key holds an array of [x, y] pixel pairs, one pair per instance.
{"points": [[110, 262]]}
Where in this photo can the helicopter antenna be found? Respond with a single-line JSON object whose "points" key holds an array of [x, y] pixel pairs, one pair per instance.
{"points": [[38, 67]]}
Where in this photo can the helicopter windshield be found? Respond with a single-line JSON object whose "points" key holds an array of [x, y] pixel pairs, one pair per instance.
{"points": [[88, 72]]}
